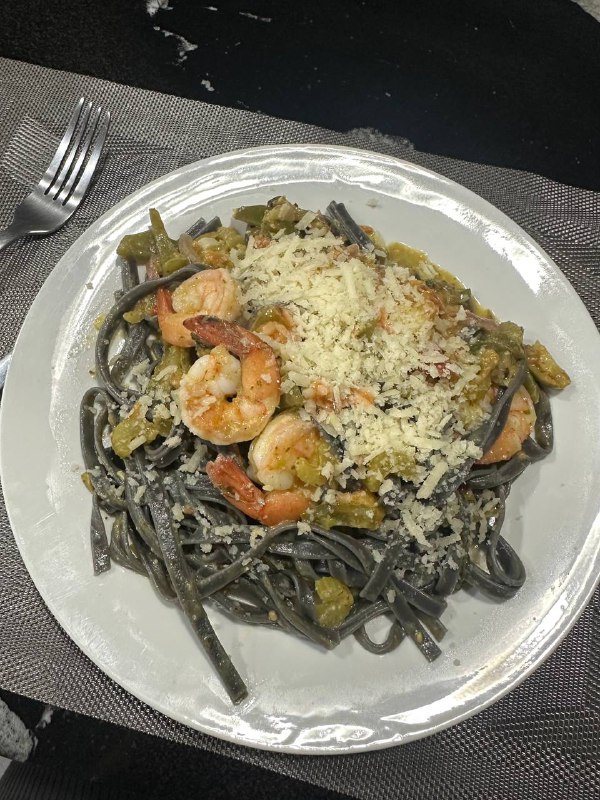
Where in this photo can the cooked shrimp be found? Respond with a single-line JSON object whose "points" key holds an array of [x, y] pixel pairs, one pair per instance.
{"points": [[286, 446], [212, 291], [270, 508], [222, 399], [519, 425], [323, 395]]}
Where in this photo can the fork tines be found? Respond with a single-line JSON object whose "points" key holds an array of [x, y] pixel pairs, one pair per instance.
{"points": [[74, 162]]}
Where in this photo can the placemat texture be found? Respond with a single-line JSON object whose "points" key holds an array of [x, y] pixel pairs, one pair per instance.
{"points": [[543, 739]]}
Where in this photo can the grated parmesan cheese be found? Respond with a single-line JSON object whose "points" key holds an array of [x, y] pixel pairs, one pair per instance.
{"points": [[432, 480], [333, 293], [141, 490]]}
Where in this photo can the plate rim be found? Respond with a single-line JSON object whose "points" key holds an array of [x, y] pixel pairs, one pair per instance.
{"points": [[568, 618]]}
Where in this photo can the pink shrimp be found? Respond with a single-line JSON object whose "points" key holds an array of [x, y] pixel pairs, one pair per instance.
{"points": [[229, 395], [269, 508], [212, 291], [519, 425]]}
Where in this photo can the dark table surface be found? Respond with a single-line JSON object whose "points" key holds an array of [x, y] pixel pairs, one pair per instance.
{"points": [[514, 83]]}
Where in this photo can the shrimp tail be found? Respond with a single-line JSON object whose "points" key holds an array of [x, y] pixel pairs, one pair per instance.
{"points": [[233, 483], [214, 331], [270, 508], [164, 304]]}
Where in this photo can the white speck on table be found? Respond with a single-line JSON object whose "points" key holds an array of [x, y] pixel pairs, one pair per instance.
{"points": [[183, 46], [154, 6], [46, 718], [254, 16]]}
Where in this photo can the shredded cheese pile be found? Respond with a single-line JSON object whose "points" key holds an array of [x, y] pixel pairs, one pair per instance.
{"points": [[392, 367]]}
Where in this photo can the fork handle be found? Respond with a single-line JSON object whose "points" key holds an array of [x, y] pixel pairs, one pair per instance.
{"points": [[10, 234]]}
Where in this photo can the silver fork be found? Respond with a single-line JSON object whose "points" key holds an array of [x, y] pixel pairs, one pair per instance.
{"points": [[63, 185]]}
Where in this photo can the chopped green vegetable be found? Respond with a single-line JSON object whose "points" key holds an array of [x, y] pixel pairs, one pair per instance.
{"points": [[477, 388], [507, 337], [173, 264], [251, 215], [405, 256], [227, 238], [544, 368], [87, 481], [291, 399], [310, 470], [367, 330], [165, 247], [136, 247], [144, 308], [393, 462], [169, 371], [137, 430], [530, 384], [281, 215], [352, 509], [269, 314], [215, 248], [450, 294], [333, 602]]}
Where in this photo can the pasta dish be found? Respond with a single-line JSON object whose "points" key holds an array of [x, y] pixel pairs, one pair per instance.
{"points": [[309, 428]]}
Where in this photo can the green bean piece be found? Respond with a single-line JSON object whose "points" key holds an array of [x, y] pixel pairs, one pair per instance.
{"points": [[251, 215], [530, 384], [544, 368], [164, 245], [169, 371], [136, 247], [174, 263]]}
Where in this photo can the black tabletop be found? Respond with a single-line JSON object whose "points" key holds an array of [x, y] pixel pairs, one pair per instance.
{"points": [[509, 82]]}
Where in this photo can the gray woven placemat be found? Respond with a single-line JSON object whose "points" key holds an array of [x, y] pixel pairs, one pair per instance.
{"points": [[543, 739]]}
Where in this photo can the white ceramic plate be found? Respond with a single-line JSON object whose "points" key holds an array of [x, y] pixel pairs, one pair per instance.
{"points": [[301, 699]]}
